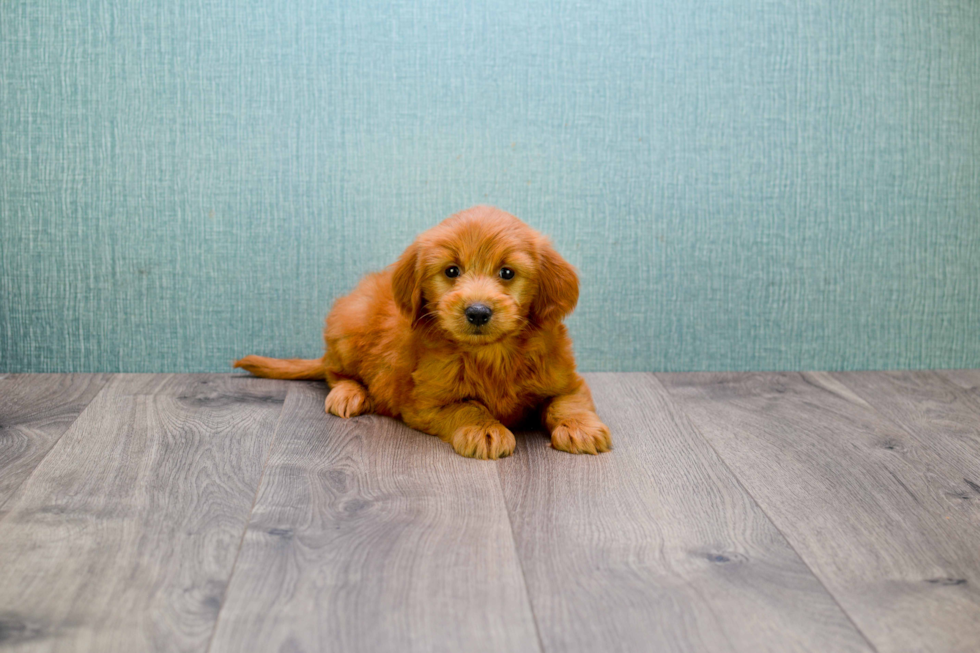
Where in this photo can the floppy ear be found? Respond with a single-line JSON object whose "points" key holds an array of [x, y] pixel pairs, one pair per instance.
{"points": [[406, 283], [557, 287]]}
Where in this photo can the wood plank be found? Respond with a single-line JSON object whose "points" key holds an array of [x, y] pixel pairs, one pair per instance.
{"points": [[967, 379], [125, 536], [36, 410], [655, 546], [865, 504], [368, 536], [943, 416]]}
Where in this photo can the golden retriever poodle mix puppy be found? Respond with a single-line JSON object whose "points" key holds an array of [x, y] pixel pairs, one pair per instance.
{"points": [[462, 337]]}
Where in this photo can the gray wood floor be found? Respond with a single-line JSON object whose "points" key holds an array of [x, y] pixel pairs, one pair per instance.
{"points": [[738, 512]]}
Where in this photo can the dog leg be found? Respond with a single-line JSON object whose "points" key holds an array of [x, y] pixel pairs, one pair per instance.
{"points": [[468, 426], [574, 426], [347, 398]]}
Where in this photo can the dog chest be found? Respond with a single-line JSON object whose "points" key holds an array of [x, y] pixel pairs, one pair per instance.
{"points": [[502, 385]]}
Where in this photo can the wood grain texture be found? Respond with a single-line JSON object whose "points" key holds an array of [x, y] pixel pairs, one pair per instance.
{"points": [[124, 537], [368, 536], [943, 416], [967, 379], [656, 546], [36, 410], [867, 506]]}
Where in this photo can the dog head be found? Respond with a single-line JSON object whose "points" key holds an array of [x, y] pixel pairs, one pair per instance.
{"points": [[482, 275]]}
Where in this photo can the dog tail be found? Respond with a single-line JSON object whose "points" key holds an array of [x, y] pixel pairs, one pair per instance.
{"points": [[278, 368]]}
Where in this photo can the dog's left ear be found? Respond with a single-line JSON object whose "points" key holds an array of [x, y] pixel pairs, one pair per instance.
{"points": [[557, 287], [406, 283]]}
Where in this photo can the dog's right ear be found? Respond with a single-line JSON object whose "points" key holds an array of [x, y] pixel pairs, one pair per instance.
{"points": [[406, 283]]}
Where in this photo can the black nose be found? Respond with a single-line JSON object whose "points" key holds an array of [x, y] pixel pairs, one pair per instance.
{"points": [[478, 314]]}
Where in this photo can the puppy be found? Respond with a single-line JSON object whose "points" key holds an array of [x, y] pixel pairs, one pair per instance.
{"points": [[461, 338]]}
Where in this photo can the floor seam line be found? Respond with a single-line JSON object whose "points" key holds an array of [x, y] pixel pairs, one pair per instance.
{"points": [[886, 418], [248, 521], [520, 562], [789, 543], [3, 515]]}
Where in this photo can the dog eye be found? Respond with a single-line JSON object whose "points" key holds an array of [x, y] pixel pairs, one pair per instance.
{"points": [[506, 273], [452, 271]]}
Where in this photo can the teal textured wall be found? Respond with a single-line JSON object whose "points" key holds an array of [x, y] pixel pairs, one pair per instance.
{"points": [[743, 184]]}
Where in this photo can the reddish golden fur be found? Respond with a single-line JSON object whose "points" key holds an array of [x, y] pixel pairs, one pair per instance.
{"points": [[400, 345]]}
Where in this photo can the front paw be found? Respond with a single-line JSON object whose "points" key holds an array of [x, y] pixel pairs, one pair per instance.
{"points": [[585, 434], [491, 440], [347, 399]]}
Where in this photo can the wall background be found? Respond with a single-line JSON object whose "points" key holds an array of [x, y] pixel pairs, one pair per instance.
{"points": [[743, 184]]}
